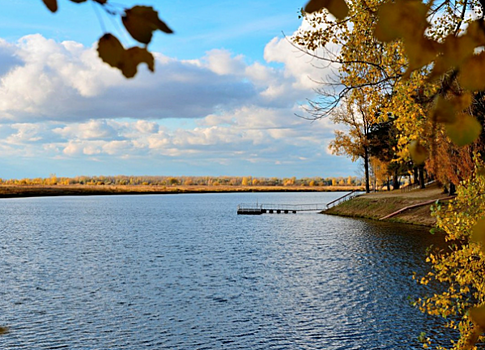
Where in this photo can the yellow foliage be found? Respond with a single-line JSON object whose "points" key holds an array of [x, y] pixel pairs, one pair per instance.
{"points": [[460, 268], [338, 8]]}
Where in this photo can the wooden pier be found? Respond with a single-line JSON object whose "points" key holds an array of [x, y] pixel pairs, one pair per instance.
{"points": [[258, 209]]}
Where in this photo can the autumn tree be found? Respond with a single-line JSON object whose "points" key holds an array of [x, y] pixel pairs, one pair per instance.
{"points": [[442, 45], [366, 72], [358, 119], [383, 141], [245, 181], [346, 45], [388, 66]]}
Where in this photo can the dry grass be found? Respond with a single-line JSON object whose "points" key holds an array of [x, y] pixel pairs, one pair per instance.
{"points": [[11, 191], [377, 205]]}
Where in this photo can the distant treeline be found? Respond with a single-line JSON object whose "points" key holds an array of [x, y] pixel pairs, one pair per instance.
{"points": [[122, 180]]}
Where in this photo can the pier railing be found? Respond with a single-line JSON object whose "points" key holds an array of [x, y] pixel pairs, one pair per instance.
{"points": [[416, 186], [342, 199], [282, 207], [257, 209]]}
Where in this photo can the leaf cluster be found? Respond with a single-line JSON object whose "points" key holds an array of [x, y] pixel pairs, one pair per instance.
{"points": [[423, 62], [140, 22]]}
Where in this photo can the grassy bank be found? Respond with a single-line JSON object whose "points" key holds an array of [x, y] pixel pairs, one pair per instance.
{"points": [[13, 191], [378, 205]]}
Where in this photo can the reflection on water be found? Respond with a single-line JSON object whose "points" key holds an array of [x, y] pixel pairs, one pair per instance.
{"points": [[185, 272]]}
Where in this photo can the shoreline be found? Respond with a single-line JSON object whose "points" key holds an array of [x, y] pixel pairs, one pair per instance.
{"points": [[26, 191], [413, 207], [373, 206]]}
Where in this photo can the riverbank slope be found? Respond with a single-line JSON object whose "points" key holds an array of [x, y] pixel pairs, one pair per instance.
{"points": [[381, 204]]}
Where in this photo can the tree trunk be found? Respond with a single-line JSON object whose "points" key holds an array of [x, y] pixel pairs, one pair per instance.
{"points": [[388, 184], [452, 189], [366, 169], [395, 180], [421, 176], [416, 175]]}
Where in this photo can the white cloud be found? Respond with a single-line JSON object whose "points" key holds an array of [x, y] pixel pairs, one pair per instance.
{"points": [[301, 64], [59, 101], [92, 130], [221, 62]]}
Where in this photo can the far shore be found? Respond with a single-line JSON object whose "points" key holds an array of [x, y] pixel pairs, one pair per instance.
{"points": [[19, 191]]}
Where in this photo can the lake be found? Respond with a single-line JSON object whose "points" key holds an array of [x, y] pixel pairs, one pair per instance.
{"points": [[186, 272]]}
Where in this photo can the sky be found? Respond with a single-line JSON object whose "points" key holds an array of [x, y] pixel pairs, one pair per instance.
{"points": [[224, 99]]}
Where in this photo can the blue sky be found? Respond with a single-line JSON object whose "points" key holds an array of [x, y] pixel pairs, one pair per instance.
{"points": [[222, 101]]}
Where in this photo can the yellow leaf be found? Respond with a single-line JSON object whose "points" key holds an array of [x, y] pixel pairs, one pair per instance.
{"points": [[481, 171], [464, 130], [472, 338], [478, 234], [110, 50], [4, 330], [401, 19], [133, 57], [478, 315], [51, 5], [418, 152], [457, 49], [472, 73], [142, 21], [338, 8], [463, 101], [420, 52], [444, 112]]}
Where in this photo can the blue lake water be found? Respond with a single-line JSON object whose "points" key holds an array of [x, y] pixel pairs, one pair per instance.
{"points": [[186, 272]]}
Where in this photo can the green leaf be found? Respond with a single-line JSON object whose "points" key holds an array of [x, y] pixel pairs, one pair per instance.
{"points": [[338, 8], [418, 152], [464, 130], [51, 5], [142, 21]]}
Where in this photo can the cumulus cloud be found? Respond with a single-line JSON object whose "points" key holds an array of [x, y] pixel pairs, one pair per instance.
{"points": [[306, 66], [44, 80], [59, 101]]}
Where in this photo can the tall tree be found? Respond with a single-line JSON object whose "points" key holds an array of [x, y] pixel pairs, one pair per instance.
{"points": [[358, 120], [368, 73]]}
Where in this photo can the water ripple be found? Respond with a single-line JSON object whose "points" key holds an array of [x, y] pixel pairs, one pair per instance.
{"points": [[185, 272]]}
